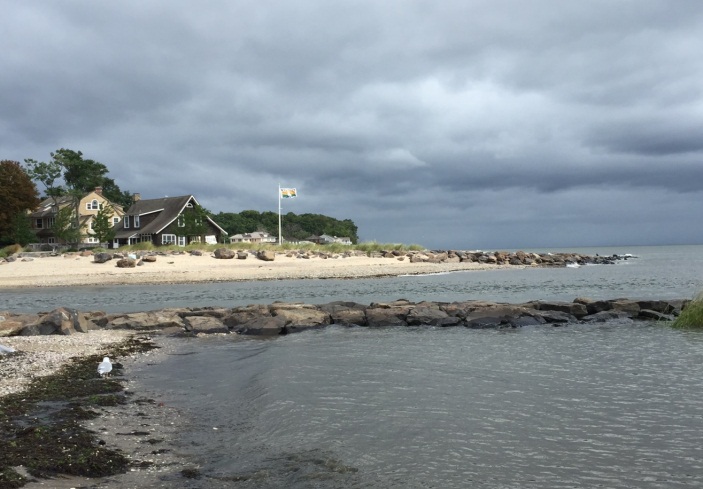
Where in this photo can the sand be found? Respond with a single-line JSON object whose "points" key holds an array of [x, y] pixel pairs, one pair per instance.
{"points": [[74, 270]]}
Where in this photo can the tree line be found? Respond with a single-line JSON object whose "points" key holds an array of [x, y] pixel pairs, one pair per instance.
{"points": [[68, 175], [293, 227]]}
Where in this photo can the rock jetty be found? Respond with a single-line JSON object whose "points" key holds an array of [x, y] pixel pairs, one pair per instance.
{"points": [[282, 318]]}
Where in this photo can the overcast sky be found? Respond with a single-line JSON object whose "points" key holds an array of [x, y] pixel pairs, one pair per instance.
{"points": [[452, 124]]}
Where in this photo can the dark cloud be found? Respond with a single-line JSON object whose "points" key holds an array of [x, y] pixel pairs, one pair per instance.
{"points": [[457, 124]]}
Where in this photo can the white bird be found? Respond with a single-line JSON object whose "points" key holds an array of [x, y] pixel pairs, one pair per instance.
{"points": [[6, 349], [104, 367]]}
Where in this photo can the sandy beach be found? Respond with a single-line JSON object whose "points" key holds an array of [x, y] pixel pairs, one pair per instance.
{"points": [[75, 270]]}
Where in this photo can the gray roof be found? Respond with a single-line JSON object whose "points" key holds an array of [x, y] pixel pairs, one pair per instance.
{"points": [[169, 208]]}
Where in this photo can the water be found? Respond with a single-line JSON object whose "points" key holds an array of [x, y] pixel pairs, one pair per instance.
{"points": [[608, 406], [664, 272], [614, 405]]}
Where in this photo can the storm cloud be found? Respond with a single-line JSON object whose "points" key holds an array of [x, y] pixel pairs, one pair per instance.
{"points": [[454, 124]]}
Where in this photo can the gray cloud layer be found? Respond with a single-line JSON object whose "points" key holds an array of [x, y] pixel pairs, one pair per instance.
{"points": [[465, 124]]}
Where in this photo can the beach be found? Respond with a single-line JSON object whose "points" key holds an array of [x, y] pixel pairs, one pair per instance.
{"points": [[77, 270]]}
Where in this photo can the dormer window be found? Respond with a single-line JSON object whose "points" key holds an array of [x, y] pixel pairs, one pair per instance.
{"points": [[93, 205]]}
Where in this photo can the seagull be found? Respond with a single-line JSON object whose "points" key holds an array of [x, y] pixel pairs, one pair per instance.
{"points": [[104, 367], [6, 349]]}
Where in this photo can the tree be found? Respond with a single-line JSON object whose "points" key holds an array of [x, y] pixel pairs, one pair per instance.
{"points": [[18, 194], [102, 224], [65, 227], [21, 232], [194, 223]]}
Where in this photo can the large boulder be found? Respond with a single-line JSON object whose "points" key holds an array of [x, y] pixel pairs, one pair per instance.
{"points": [[244, 314], [63, 321], [263, 326], [347, 313], [102, 257], [126, 263], [300, 317], [429, 314], [204, 324], [266, 255], [224, 253], [572, 308], [151, 320], [393, 314]]}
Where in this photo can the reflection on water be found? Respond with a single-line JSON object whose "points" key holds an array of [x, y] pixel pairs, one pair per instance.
{"points": [[584, 406]]}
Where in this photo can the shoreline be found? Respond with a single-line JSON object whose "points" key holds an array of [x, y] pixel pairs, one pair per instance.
{"points": [[73, 270]]}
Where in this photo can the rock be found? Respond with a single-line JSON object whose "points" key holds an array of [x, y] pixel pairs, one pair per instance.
{"points": [[224, 253], [242, 255], [27, 259], [659, 306], [300, 317], [387, 315], [102, 257], [263, 326], [487, 322], [59, 321], [429, 315], [147, 320], [126, 263], [573, 308], [11, 327], [603, 316], [204, 324], [149, 258], [196, 253], [626, 305], [346, 313], [655, 315], [266, 255], [244, 314]]}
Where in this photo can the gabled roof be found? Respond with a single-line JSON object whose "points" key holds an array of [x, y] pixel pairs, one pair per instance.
{"points": [[169, 208]]}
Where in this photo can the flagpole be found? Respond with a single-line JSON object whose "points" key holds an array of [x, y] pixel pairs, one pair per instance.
{"points": [[280, 238]]}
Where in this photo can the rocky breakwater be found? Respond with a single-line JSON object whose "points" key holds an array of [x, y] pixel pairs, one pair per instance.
{"points": [[518, 258], [282, 318]]}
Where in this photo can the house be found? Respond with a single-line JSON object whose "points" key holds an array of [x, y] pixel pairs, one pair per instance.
{"points": [[255, 237], [44, 217], [327, 239], [167, 221]]}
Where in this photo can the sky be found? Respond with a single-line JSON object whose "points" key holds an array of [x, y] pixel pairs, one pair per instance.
{"points": [[458, 124]]}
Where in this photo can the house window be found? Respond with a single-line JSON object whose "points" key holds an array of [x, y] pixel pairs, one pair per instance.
{"points": [[115, 220], [168, 239], [126, 222], [136, 220], [39, 223], [145, 238], [90, 224], [93, 205], [181, 241], [50, 222], [91, 240], [51, 240], [181, 221]]}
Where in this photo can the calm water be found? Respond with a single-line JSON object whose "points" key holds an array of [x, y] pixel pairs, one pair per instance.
{"points": [[614, 405]]}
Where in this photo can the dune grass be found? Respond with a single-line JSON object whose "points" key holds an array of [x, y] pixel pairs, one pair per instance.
{"points": [[367, 247], [691, 316]]}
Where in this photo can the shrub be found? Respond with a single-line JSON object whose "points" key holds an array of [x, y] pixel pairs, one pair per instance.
{"points": [[691, 316]]}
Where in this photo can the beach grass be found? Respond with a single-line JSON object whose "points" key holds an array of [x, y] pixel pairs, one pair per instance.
{"points": [[691, 316], [366, 247]]}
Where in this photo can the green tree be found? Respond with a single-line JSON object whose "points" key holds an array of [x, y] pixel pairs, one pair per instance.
{"points": [[18, 194], [102, 224], [65, 227], [21, 232], [194, 223]]}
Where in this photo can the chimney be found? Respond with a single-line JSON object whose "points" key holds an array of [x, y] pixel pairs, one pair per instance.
{"points": [[136, 197], [99, 190]]}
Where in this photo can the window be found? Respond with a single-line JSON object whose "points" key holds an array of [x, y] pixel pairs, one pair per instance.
{"points": [[91, 240], [90, 224], [181, 221], [93, 205], [168, 239], [39, 223], [136, 220], [181, 241], [50, 222], [51, 240], [126, 222], [115, 220]]}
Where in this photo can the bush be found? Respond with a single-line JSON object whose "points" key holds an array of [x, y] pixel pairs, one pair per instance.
{"points": [[10, 250], [691, 316]]}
